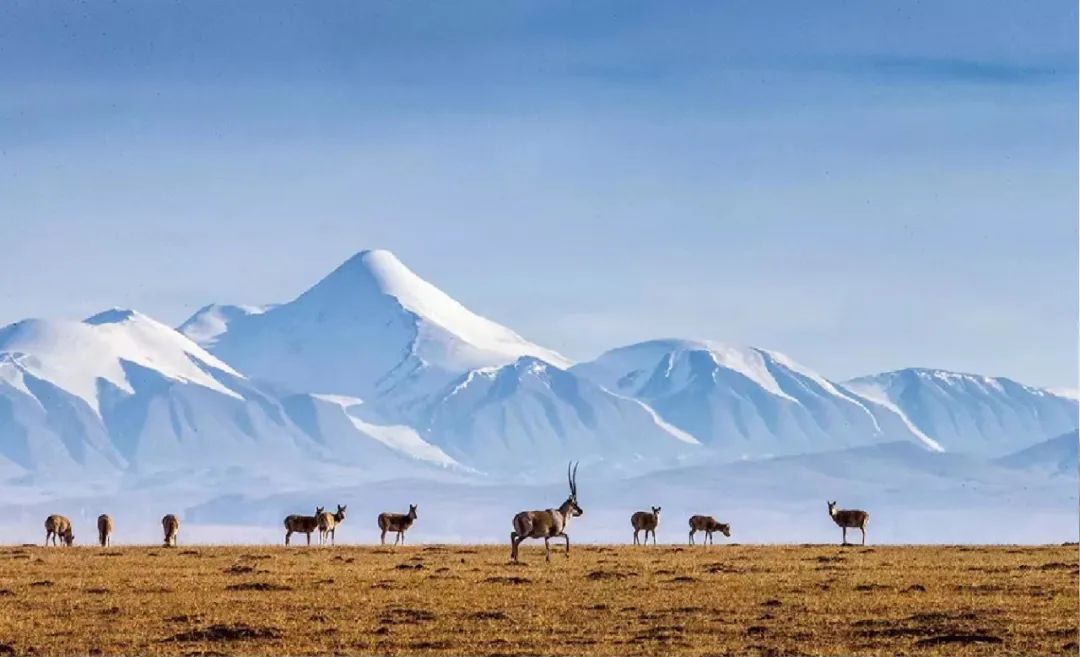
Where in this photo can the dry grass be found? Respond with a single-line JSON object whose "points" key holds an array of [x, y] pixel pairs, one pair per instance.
{"points": [[788, 600]]}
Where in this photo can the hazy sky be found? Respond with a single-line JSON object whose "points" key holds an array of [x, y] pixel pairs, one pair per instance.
{"points": [[863, 187]]}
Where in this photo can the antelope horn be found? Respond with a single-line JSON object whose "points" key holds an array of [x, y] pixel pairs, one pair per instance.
{"points": [[573, 480]]}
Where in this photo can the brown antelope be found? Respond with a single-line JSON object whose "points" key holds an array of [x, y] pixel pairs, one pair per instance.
{"points": [[171, 525], [396, 522], [707, 524], [647, 522], [302, 524], [58, 526], [845, 518], [547, 524], [104, 529], [328, 523]]}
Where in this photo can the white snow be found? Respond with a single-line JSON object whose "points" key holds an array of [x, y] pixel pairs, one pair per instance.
{"points": [[74, 355], [212, 320]]}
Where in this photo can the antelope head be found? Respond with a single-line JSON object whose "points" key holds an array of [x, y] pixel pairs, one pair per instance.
{"points": [[571, 504], [319, 511], [725, 529], [69, 538], [832, 508], [656, 511], [340, 515], [412, 511]]}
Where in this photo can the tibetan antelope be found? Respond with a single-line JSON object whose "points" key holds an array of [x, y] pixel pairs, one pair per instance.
{"points": [[396, 522], [547, 524], [647, 522], [302, 525], [707, 524], [171, 525], [104, 529], [58, 526], [845, 518], [328, 523]]}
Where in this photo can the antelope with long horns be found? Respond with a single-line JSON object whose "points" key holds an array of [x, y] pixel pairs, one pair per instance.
{"points": [[549, 523], [845, 518], [645, 521]]}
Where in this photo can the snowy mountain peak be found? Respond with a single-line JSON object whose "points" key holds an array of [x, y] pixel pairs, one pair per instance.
{"points": [[212, 320], [372, 329]]}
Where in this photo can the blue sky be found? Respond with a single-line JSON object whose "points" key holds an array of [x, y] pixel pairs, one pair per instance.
{"points": [[859, 185]]}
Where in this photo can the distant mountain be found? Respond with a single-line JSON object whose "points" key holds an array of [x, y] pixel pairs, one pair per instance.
{"points": [[972, 413], [212, 320], [744, 402], [1057, 456], [120, 394], [371, 329], [532, 415]]}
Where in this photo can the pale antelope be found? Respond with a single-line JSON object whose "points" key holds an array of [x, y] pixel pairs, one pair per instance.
{"points": [[396, 522], [57, 526], [328, 523], [171, 525], [707, 524], [647, 522], [547, 524], [845, 518], [104, 529], [302, 525]]}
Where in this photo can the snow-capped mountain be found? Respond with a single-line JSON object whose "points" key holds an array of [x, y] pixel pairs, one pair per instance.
{"points": [[531, 415], [212, 320], [371, 329], [971, 413], [120, 393], [744, 402]]}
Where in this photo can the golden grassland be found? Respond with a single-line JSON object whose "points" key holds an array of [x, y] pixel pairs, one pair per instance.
{"points": [[603, 600]]}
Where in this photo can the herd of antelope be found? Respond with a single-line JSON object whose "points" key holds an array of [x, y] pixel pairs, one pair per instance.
{"points": [[546, 524]]}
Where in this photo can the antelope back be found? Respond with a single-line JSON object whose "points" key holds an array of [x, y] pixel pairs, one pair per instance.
{"points": [[703, 523], [643, 520]]}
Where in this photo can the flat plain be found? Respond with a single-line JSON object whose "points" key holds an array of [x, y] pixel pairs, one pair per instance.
{"points": [[602, 600]]}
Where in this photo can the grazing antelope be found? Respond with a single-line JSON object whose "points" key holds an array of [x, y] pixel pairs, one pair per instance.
{"points": [[104, 529], [644, 520], [396, 522], [707, 524], [58, 526], [547, 524], [171, 525], [328, 523], [853, 518], [302, 524]]}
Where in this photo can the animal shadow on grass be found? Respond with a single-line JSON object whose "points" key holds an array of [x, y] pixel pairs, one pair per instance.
{"points": [[405, 616], [507, 580], [224, 632], [257, 586]]}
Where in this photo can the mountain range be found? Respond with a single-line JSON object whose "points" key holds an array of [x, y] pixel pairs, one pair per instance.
{"points": [[374, 373]]}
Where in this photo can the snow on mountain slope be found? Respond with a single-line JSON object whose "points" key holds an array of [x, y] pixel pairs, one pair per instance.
{"points": [[530, 414], [120, 393], [371, 329], [1057, 456], [972, 413], [744, 402], [211, 321]]}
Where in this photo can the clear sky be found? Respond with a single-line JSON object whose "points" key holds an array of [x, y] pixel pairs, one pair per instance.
{"points": [[859, 185]]}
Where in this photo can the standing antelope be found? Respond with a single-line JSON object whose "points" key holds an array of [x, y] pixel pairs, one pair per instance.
{"points": [[58, 526], [104, 529], [547, 524], [643, 520], [396, 522], [707, 524], [171, 525], [328, 523], [845, 518], [302, 524]]}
